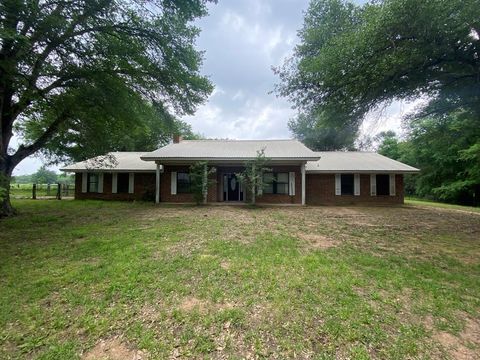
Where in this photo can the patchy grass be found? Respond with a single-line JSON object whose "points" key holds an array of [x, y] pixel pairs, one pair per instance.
{"points": [[421, 202], [85, 279]]}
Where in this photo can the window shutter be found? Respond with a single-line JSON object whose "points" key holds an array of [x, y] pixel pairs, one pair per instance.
{"points": [[84, 182], [373, 185], [173, 183], [392, 184], [356, 184], [100, 183], [291, 183], [338, 184], [114, 183], [131, 183]]}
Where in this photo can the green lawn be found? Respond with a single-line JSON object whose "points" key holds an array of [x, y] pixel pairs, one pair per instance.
{"points": [[22, 191], [421, 202], [86, 279]]}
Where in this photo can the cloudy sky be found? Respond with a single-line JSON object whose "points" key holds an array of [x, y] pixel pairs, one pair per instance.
{"points": [[242, 40]]}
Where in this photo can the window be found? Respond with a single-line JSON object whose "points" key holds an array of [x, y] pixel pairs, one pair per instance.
{"points": [[268, 180], [275, 183], [92, 183], [183, 183], [122, 182], [383, 184], [282, 183], [347, 184]]}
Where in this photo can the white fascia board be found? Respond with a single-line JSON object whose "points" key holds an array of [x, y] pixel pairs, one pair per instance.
{"points": [[226, 159], [107, 170], [362, 171]]}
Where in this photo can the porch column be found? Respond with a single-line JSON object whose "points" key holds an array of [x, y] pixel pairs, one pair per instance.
{"points": [[303, 183], [157, 184]]}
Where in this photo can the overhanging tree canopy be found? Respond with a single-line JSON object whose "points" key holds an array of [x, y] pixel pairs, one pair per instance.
{"points": [[64, 63], [353, 58]]}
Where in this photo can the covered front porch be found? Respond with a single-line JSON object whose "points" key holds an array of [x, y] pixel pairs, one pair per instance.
{"points": [[283, 184]]}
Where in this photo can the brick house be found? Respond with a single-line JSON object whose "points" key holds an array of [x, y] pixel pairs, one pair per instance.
{"points": [[296, 174]]}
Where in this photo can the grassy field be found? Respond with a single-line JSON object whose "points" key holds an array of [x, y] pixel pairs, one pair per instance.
{"points": [[21, 191], [83, 279], [421, 202]]}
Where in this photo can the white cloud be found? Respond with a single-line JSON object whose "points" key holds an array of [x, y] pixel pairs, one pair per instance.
{"points": [[255, 119], [390, 116], [239, 95]]}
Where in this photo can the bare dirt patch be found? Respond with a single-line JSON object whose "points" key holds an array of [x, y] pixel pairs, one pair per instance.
{"points": [[113, 349], [465, 346], [203, 306], [453, 346], [148, 313], [317, 241], [192, 303], [225, 264], [471, 333]]}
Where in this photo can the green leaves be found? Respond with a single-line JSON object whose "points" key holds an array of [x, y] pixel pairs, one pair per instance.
{"points": [[252, 175], [105, 63], [200, 180], [353, 58], [447, 151], [318, 133]]}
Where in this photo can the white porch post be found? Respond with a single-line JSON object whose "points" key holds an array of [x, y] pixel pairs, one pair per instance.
{"points": [[303, 183], [157, 185]]}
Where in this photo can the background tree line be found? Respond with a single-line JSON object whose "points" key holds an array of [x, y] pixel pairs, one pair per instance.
{"points": [[43, 176], [354, 59]]}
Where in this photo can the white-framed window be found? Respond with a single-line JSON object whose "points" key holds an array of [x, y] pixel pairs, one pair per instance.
{"points": [[384, 184], [347, 184]]}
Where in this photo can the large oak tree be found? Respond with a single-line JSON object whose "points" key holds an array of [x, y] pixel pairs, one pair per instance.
{"points": [[72, 68], [353, 58]]}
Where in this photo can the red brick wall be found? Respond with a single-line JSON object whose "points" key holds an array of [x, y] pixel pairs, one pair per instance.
{"points": [[320, 190], [144, 188]]}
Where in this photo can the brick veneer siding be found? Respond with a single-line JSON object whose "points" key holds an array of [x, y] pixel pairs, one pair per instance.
{"points": [[144, 188], [320, 190]]}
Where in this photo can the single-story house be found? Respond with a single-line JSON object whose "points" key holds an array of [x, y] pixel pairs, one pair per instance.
{"points": [[297, 175]]}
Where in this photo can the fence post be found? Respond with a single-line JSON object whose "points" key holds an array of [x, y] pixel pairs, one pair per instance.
{"points": [[59, 191], [34, 191]]}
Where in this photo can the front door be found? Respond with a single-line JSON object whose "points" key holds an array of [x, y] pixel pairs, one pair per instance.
{"points": [[232, 188]]}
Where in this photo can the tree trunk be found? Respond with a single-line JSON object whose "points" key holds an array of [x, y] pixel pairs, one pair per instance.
{"points": [[6, 208], [254, 185], [205, 184]]}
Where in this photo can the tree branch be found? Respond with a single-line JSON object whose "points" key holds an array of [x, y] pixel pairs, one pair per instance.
{"points": [[24, 151]]}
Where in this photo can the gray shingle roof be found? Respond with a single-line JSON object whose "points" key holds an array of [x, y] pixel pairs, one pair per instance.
{"points": [[232, 150], [330, 161], [356, 161], [113, 161]]}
